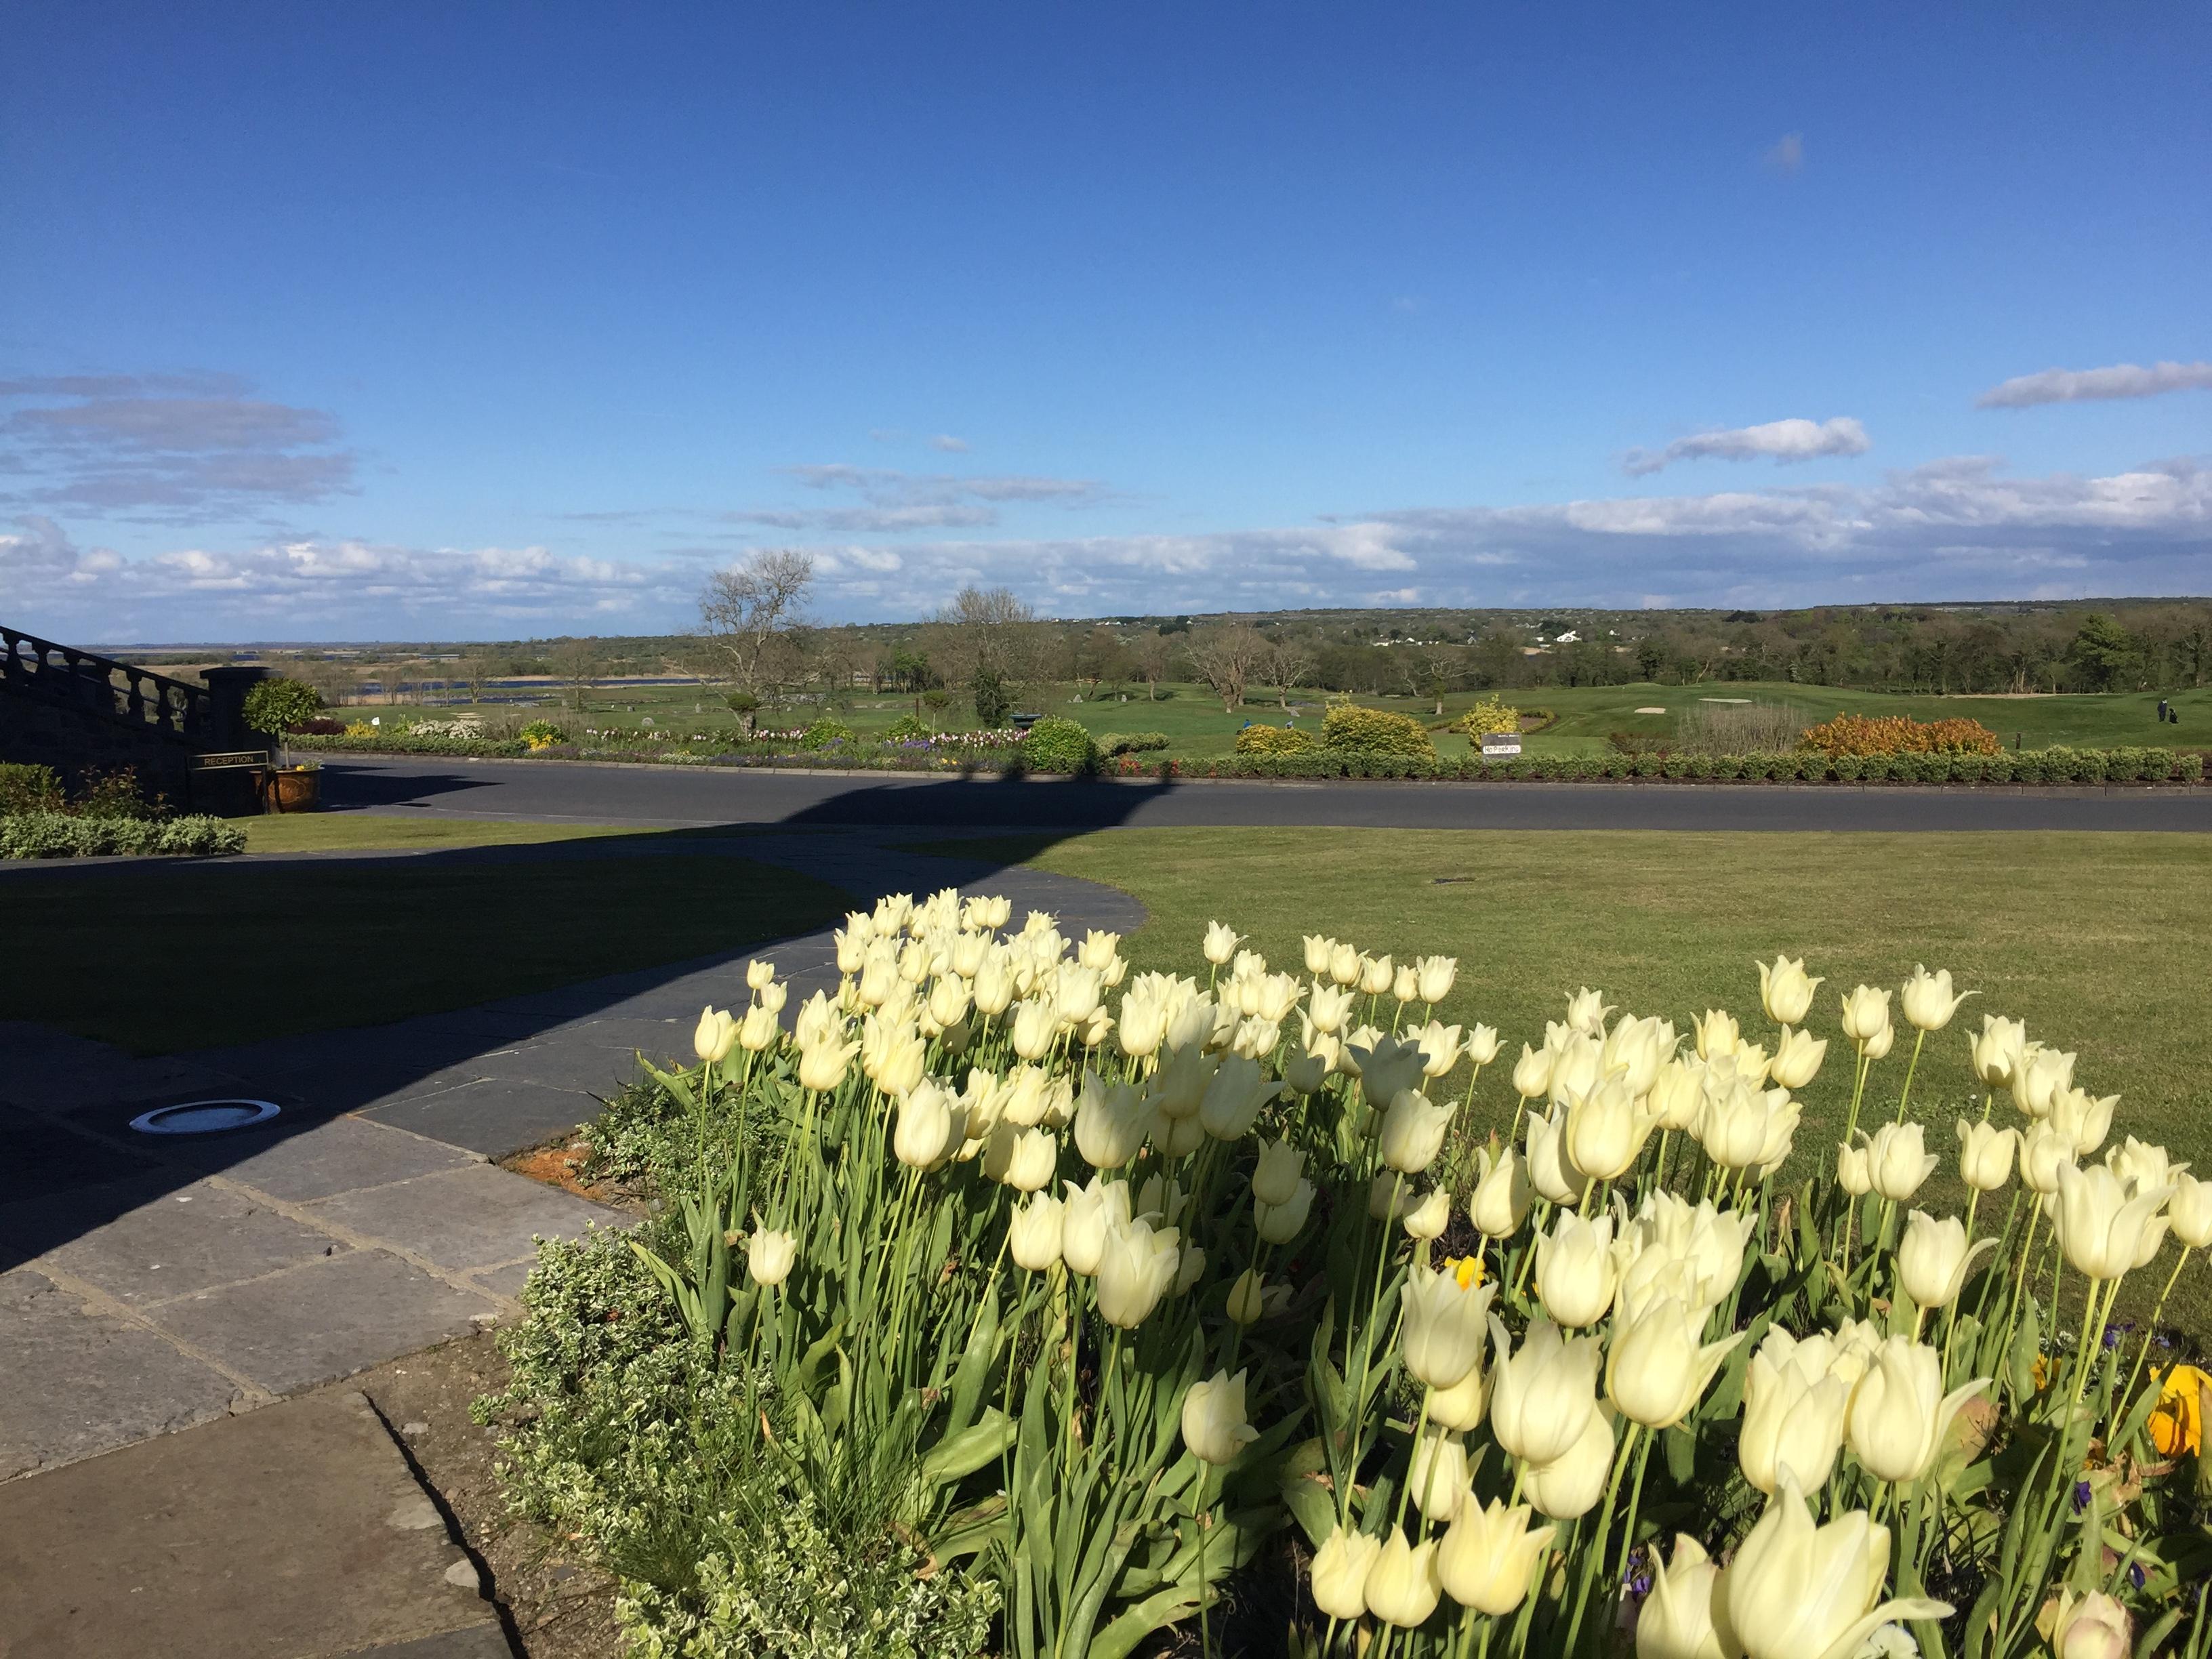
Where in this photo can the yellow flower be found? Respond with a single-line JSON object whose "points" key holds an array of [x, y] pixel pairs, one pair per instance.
{"points": [[1466, 1269], [2177, 1425]]}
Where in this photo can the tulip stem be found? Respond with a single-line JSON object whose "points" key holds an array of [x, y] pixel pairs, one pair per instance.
{"points": [[1858, 1092], [1597, 1544], [2090, 1340], [1199, 1519], [1911, 1066], [2150, 1330], [1413, 1452], [1635, 1503]]}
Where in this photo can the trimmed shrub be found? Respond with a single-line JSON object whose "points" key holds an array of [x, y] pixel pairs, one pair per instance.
{"points": [[282, 705], [1899, 734], [404, 742], [1493, 714], [1133, 742], [57, 835], [1274, 740], [1375, 732], [823, 732], [1056, 743]]}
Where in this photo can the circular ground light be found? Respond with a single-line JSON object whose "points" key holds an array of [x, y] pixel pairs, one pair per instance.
{"points": [[204, 1117]]}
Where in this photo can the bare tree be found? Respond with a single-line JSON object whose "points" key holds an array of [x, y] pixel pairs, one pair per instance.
{"points": [[751, 611], [1289, 665], [987, 630], [1152, 653], [577, 663], [1226, 659]]}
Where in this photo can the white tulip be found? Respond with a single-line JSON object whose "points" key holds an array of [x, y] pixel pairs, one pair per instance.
{"points": [[1436, 1477], [1785, 991], [1928, 1000], [1998, 1050], [1543, 1395], [1677, 1619], [1658, 1369], [1441, 1340], [1898, 1159], [1413, 1131], [1279, 1224], [1798, 1591], [1221, 943], [1587, 1010], [1986, 1154], [1571, 1484], [1428, 1218], [1489, 1559], [1547, 1168], [1793, 1415], [1866, 1012], [2103, 1224], [1214, 1426], [1798, 1059], [1577, 1269], [769, 1254], [1502, 1193], [1933, 1260], [1899, 1413], [1033, 1232], [1092, 1212], [1341, 1569], [1135, 1270], [1532, 1073]]}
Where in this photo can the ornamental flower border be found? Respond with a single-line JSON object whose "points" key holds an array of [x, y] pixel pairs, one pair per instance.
{"points": [[1657, 1390]]}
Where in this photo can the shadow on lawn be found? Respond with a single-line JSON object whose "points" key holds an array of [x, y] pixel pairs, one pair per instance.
{"points": [[496, 1076]]}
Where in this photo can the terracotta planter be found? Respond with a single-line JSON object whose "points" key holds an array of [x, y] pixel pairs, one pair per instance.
{"points": [[296, 790]]}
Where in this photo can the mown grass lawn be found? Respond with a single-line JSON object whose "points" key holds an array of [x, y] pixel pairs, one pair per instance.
{"points": [[2095, 940]]}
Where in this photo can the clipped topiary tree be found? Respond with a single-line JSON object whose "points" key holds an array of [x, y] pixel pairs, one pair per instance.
{"points": [[282, 705], [1359, 731], [993, 701], [1056, 743]]}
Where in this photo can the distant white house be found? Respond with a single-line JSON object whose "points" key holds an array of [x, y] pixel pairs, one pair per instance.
{"points": [[1568, 638]]}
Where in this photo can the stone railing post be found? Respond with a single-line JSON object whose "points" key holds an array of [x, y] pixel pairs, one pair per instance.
{"points": [[226, 690]]}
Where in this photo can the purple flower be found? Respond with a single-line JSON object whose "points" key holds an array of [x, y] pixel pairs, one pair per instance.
{"points": [[2080, 1495]]}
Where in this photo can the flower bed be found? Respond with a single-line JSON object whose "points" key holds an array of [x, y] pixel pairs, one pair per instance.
{"points": [[1012, 1302], [62, 835]]}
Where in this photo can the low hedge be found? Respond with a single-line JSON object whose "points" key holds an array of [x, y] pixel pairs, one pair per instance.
{"points": [[1376, 732], [59, 835], [2031, 766], [1055, 743], [481, 748], [1133, 742], [1275, 740]]}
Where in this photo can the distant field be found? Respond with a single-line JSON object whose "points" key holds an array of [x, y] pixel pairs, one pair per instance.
{"points": [[1194, 721]]}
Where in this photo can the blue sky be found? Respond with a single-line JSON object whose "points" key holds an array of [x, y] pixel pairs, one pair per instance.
{"points": [[438, 321]]}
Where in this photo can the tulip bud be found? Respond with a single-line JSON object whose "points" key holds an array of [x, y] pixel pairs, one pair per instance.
{"points": [[1436, 975], [1428, 1218], [1221, 943], [769, 1255], [1898, 1160], [1547, 1169], [1033, 1232], [2093, 1627], [1275, 1177], [822, 1067], [1986, 1155], [1092, 1212], [1234, 1097], [1135, 1270], [1532, 1073], [2043, 1151], [758, 1031], [1488, 1560], [716, 1035], [1928, 1000], [926, 1132], [993, 991], [1795, 1590], [1376, 976], [1341, 1569], [1785, 991], [1542, 1397], [1577, 1269], [1933, 1260], [1899, 1413], [1413, 1133], [2039, 1075], [1998, 1050], [2189, 1211], [1571, 1484], [1793, 1416], [1461, 1406], [2083, 1118], [1436, 1476], [1246, 1297], [1606, 1130], [1279, 1224], [1866, 1012], [1441, 1341], [1027, 1160], [1798, 1059], [1854, 1170], [1502, 1193], [1403, 1587], [1316, 952], [2102, 1224], [1676, 1621], [1587, 1010], [1658, 1369], [1439, 1045], [1717, 1033], [1877, 1047], [1109, 1124], [1213, 1422]]}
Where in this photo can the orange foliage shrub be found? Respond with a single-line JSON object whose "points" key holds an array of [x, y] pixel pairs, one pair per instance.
{"points": [[1899, 734]]}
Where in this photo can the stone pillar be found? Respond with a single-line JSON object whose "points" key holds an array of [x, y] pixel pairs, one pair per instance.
{"points": [[226, 690]]}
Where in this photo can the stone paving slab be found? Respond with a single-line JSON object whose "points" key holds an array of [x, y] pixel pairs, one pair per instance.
{"points": [[74, 1382], [182, 1243], [342, 1156], [326, 1320], [462, 1219], [297, 1532], [490, 1116]]}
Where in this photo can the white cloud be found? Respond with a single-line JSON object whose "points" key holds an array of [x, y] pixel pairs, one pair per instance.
{"points": [[950, 445], [1959, 528], [1782, 442], [2068, 385], [1787, 153]]}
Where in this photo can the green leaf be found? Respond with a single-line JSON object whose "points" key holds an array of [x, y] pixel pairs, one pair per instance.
{"points": [[970, 1449], [1155, 1612], [974, 1370], [675, 1086]]}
